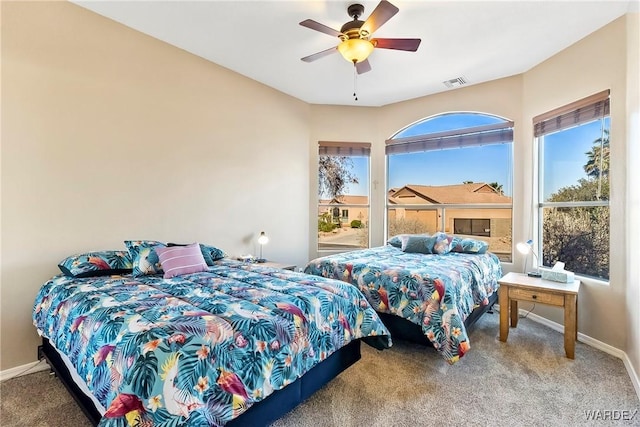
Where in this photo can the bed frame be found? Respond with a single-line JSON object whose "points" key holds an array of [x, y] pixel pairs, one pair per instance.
{"points": [[262, 413], [404, 329]]}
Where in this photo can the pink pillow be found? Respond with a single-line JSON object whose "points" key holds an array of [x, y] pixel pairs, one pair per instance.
{"points": [[177, 260]]}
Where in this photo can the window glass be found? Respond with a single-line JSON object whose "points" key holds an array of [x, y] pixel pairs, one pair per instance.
{"points": [[574, 189], [446, 122], [343, 206], [453, 173]]}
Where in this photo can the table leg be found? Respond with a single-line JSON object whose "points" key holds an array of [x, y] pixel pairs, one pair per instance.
{"points": [[515, 314], [503, 298], [570, 325]]}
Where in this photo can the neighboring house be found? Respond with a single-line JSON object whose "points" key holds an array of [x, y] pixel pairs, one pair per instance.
{"points": [[477, 222], [353, 207]]}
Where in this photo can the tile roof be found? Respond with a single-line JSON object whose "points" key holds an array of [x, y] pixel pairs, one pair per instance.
{"points": [[476, 192]]}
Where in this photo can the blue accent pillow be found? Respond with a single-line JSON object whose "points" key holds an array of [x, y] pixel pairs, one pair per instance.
{"points": [[469, 246], [98, 263], [145, 259], [209, 253], [416, 244], [396, 241]]}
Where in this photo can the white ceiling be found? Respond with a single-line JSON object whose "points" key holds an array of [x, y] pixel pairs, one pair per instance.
{"points": [[262, 40]]}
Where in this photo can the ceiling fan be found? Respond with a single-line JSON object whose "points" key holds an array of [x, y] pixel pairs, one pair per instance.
{"points": [[355, 42]]}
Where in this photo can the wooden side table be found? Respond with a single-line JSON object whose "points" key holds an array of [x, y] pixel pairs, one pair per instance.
{"points": [[516, 287], [281, 266]]}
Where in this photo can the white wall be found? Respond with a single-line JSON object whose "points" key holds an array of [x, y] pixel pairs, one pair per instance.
{"points": [[633, 192], [593, 64], [108, 134]]}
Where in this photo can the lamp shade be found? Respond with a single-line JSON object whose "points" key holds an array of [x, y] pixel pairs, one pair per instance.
{"points": [[355, 50], [525, 248], [263, 239]]}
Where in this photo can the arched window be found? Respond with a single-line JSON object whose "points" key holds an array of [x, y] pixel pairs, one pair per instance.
{"points": [[453, 173]]}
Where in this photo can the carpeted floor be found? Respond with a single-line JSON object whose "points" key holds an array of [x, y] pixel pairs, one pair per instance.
{"points": [[524, 382]]}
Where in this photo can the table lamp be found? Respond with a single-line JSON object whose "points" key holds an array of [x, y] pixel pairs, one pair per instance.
{"points": [[262, 240], [524, 248]]}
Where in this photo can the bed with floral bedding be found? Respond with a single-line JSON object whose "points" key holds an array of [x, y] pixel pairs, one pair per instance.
{"points": [[199, 349], [436, 293]]}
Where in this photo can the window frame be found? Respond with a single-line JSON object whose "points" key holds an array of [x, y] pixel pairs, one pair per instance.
{"points": [[561, 117], [448, 140], [347, 149]]}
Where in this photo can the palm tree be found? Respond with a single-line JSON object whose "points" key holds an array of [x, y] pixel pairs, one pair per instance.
{"points": [[497, 187], [598, 157]]}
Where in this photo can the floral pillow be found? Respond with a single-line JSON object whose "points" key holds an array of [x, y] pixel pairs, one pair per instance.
{"points": [[179, 260], [469, 246], [145, 259], [441, 243], [99, 263]]}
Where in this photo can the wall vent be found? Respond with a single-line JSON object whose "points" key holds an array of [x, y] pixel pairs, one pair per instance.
{"points": [[457, 82]]}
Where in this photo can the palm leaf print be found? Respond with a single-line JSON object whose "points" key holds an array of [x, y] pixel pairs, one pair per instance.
{"points": [[190, 354], [143, 374]]}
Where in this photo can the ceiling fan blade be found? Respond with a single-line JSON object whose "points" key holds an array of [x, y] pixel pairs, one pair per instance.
{"points": [[363, 67], [397, 44], [319, 55], [381, 14], [314, 25]]}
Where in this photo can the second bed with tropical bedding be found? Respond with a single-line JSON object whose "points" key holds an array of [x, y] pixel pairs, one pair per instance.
{"points": [[434, 282]]}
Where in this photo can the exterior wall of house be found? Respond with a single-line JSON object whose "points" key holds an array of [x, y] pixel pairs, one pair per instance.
{"points": [[432, 218], [353, 213]]}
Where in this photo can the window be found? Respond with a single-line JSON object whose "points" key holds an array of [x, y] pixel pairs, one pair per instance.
{"points": [[343, 196], [453, 173], [573, 213], [472, 227]]}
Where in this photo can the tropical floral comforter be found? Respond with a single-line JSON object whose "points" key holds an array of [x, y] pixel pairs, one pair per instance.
{"points": [[436, 292], [199, 349]]}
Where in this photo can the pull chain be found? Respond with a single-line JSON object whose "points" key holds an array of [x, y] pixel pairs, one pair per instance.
{"points": [[355, 81]]}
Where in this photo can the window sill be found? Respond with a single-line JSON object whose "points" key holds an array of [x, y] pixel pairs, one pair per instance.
{"points": [[589, 281]]}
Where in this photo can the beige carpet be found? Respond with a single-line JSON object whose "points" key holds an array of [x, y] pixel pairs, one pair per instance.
{"points": [[524, 382]]}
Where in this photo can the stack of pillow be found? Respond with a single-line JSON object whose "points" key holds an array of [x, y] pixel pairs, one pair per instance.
{"points": [[439, 243], [143, 257]]}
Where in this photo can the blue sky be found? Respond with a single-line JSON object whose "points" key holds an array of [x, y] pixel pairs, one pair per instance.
{"points": [[564, 155], [564, 159]]}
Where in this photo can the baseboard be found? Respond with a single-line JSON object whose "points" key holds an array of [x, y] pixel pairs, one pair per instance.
{"points": [[633, 374], [18, 371], [586, 339]]}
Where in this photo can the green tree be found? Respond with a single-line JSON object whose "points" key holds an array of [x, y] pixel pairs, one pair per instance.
{"points": [[334, 175], [599, 154], [579, 236], [498, 187]]}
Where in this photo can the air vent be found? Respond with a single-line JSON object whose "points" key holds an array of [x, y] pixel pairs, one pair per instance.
{"points": [[457, 82]]}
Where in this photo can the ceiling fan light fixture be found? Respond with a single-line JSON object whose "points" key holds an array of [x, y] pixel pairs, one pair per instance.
{"points": [[355, 50]]}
